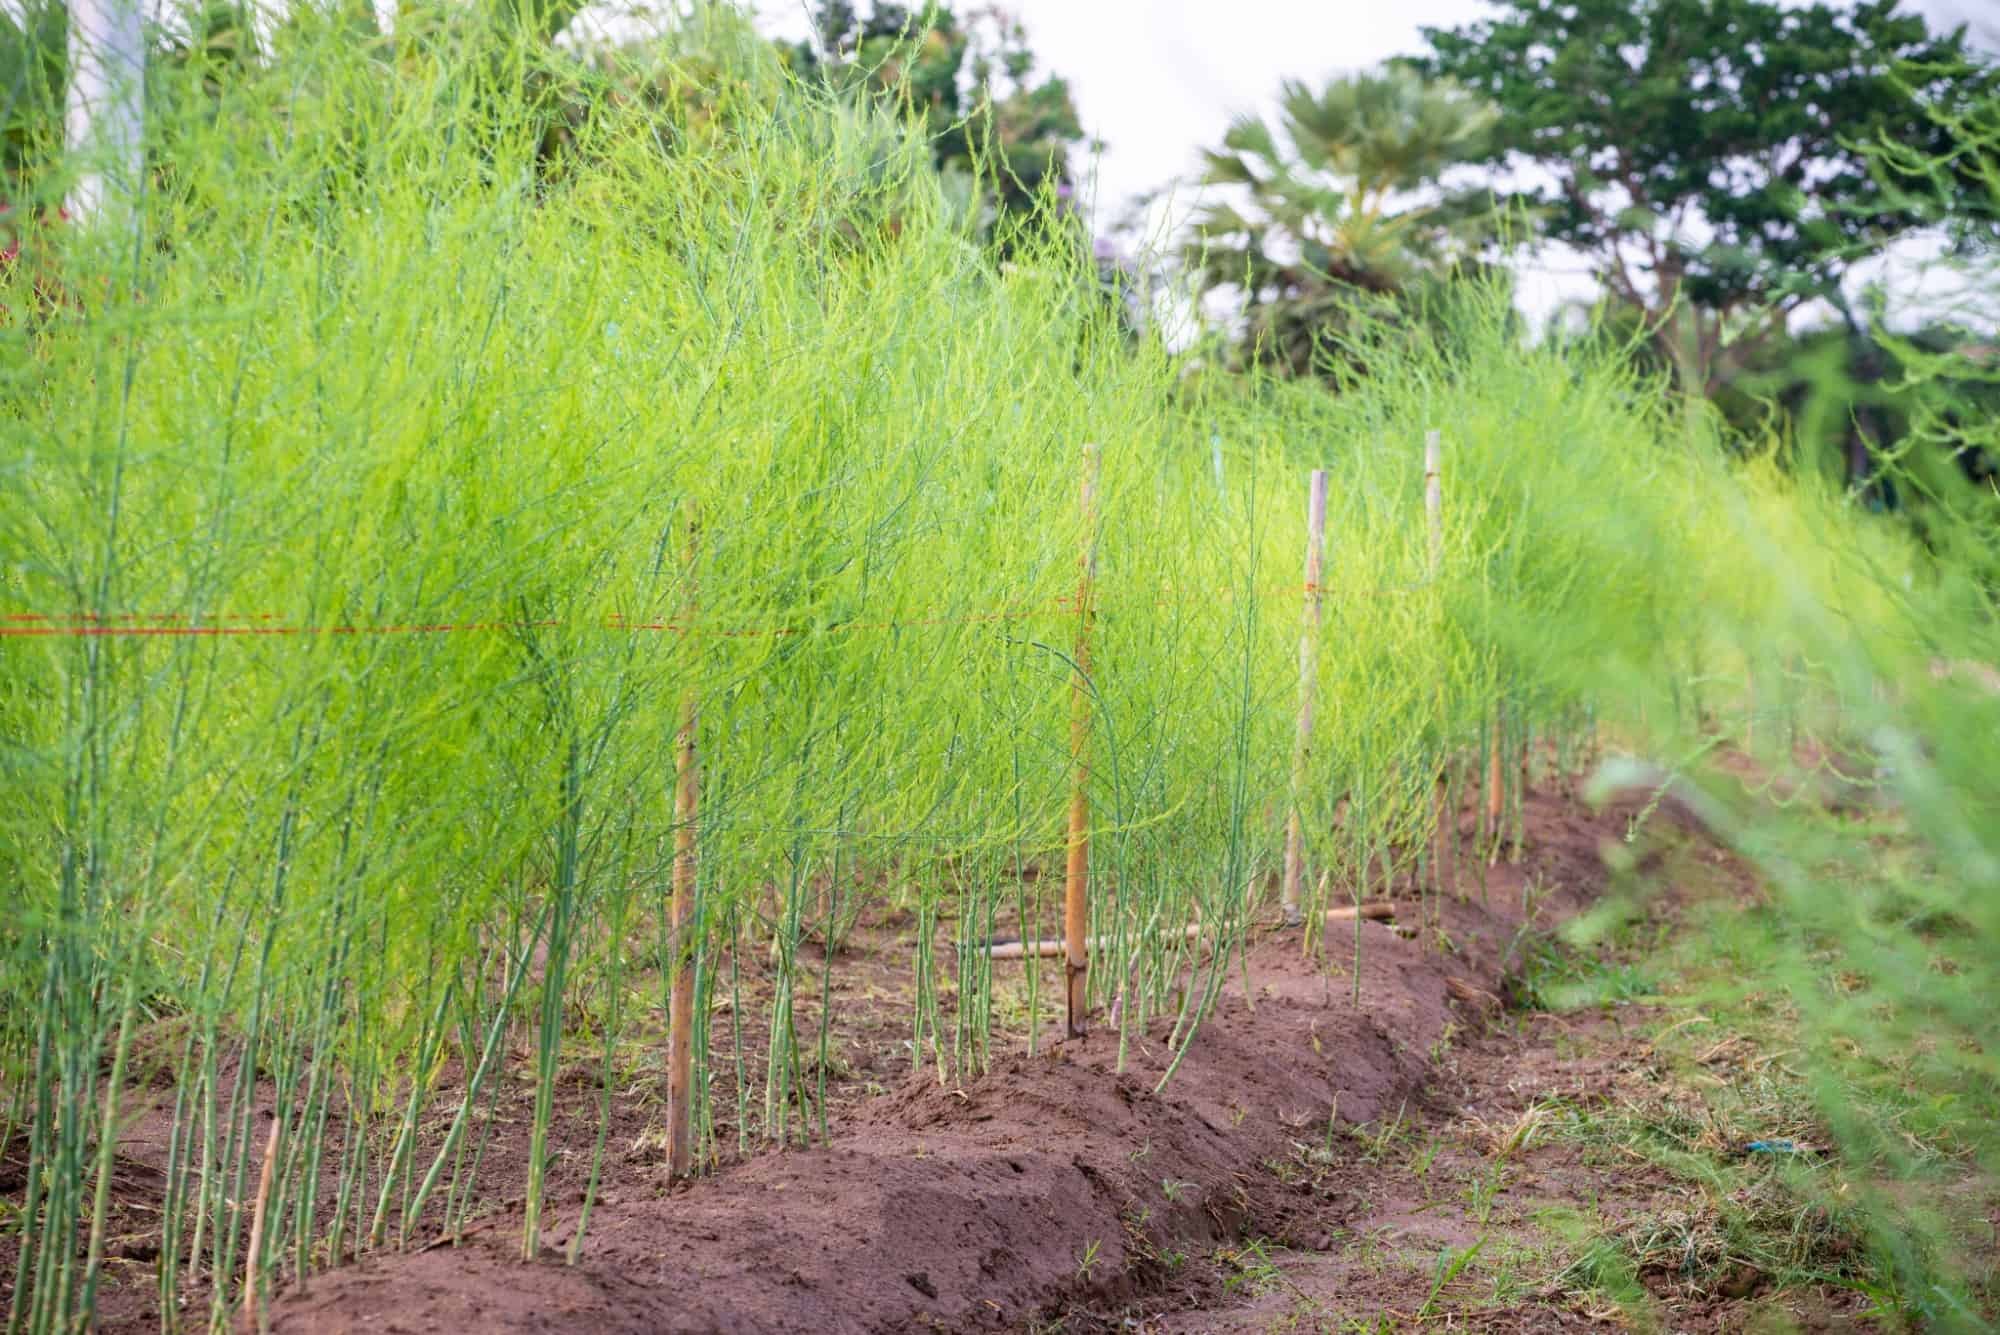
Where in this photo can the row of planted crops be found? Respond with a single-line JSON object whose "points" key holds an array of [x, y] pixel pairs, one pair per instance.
{"points": [[411, 562]]}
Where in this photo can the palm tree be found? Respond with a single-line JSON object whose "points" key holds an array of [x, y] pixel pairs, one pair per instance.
{"points": [[1340, 210]]}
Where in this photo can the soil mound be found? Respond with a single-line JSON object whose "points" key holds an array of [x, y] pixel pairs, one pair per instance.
{"points": [[1045, 1182]]}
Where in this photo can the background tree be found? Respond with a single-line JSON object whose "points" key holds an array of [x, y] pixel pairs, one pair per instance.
{"points": [[33, 43], [1001, 134], [1703, 154], [1946, 377], [1339, 214]]}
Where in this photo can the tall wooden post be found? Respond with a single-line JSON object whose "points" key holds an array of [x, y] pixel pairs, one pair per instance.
{"points": [[1308, 684], [252, 1277], [1442, 853], [680, 1031], [1076, 883]]}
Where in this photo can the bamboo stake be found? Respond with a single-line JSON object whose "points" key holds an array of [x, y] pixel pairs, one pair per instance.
{"points": [[1308, 680], [1052, 947], [1076, 903], [1434, 526], [251, 1296], [680, 1033], [1368, 910], [1373, 910]]}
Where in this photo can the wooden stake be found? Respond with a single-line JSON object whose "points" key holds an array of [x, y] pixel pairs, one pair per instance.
{"points": [[1434, 526], [1076, 901], [1373, 910], [1049, 949], [680, 1032], [1370, 910], [251, 1296], [1308, 681]]}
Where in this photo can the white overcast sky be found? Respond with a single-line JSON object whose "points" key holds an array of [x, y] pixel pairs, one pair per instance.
{"points": [[1157, 80]]}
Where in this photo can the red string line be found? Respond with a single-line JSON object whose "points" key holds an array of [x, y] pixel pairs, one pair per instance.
{"points": [[269, 624]]}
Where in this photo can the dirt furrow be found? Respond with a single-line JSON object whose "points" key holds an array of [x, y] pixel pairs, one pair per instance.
{"points": [[1046, 1183]]}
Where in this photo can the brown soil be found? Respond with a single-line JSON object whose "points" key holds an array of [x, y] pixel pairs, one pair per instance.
{"points": [[1053, 1189], [1479, 1164], [873, 982], [1048, 1185]]}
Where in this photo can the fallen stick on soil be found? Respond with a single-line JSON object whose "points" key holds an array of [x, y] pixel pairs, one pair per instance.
{"points": [[1376, 909], [1015, 950]]}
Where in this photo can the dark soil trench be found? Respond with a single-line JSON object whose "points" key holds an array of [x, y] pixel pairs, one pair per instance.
{"points": [[1257, 1191]]}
